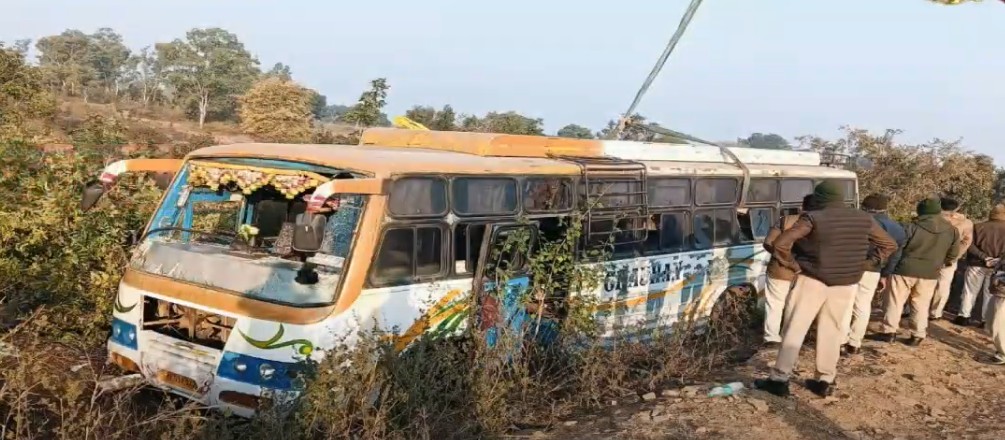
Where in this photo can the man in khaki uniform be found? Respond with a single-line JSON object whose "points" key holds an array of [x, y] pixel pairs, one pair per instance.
{"points": [[995, 323], [932, 244], [982, 257], [965, 229], [875, 276], [779, 280], [827, 248]]}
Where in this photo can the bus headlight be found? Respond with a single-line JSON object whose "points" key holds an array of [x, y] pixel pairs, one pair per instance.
{"points": [[124, 333], [267, 371], [240, 367]]}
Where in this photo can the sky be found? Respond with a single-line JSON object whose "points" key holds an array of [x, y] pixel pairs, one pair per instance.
{"points": [[792, 67]]}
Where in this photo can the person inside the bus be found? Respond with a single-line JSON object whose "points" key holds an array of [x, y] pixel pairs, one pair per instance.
{"points": [[826, 247], [779, 278]]}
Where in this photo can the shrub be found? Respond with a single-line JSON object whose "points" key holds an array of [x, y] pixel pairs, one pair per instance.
{"points": [[53, 254]]}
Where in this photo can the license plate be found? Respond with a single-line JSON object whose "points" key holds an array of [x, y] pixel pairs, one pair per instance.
{"points": [[178, 381]]}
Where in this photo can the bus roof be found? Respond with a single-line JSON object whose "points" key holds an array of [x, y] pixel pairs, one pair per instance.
{"points": [[414, 151], [387, 161], [509, 145]]}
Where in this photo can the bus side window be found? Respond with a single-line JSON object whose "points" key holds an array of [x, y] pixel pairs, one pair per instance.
{"points": [[713, 227], [467, 247], [793, 190], [408, 254], [755, 224], [668, 232]]}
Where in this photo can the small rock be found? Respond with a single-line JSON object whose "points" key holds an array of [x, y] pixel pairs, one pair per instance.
{"points": [[691, 390], [936, 412], [758, 405], [613, 403], [701, 430], [648, 397], [670, 393], [662, 418], [570, 423]]}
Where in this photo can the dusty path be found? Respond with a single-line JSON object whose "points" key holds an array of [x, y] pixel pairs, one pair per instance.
{"points": [[939, 390]]}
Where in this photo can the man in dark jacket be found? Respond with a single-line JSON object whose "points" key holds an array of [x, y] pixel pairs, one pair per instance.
{"points": [[932, 244], [875, 277], [827, 248], [982, 257]]}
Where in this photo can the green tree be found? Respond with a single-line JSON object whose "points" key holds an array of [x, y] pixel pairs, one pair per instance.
{"points": [[768, 141], [277, 110], [421, 114], [319, 103], [23, 96], [147, 77], [210, 68], [442, 120], [281, 71], [509, 123], [64, 61], [367, 112], [575, 131], [109, 58], [635, 131]]}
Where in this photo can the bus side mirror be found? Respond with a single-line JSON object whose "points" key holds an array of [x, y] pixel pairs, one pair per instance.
{"points": [[92, 193]]}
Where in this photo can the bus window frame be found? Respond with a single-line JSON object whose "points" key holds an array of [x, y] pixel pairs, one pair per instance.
{"points": [[372, 281], [573, 199], [518, 190], [694, 191], [427, 217], [686, 245]]}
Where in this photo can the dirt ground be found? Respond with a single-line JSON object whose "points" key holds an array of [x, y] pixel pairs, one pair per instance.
{"points": [[939, 390]]}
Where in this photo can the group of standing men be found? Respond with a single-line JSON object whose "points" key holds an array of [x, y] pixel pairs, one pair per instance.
{"points": [[829, 261]]}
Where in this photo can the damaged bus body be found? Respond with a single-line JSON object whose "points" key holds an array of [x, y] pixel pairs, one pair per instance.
{"points": [[261, 255]]}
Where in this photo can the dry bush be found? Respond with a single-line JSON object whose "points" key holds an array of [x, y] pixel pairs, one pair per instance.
{"points": [[910, 173], [277, 110]]}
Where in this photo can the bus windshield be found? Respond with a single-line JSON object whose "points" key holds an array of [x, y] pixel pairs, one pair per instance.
{"points": [[229, 225]]}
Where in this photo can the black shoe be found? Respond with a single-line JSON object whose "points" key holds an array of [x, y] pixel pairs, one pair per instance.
{"points": [[771, 345], [961, 321], [849, 350], [820, 388], [883, 337], [995, 360], [934, 318], [914, 341], [978, 324], [778, 388]]}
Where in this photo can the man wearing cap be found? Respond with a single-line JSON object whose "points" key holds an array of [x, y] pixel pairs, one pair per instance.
{"points": [[875, 277], [965, 228], [826, 247], [932, 245], [982, 258], [779, 279]]}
